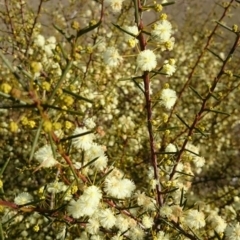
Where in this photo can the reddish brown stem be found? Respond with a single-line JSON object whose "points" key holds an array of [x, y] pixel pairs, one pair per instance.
{"points": [[146, 79]]}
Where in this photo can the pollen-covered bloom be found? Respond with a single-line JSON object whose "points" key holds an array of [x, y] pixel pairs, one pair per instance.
{"points": [[85, 141], [56, 187], [169, 67], [217, 223], [93, 226], [122, 222], [193, 219], [146, 202], [89, 123], [107, 218], [39, 41], [119, 188], [23, 198], [161, 235], [147, 221], [129, 38], [146, 60], [166, 211], [96, 152], [197, 160], [116, 5], [233, 232], [50, 46], [111, 57], [171, 148], [136, 233], [45, 157], [168, 98], [87, 204], [162, 31]]}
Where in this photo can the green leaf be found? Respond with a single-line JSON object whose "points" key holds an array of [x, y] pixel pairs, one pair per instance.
{"points": [[89, 163], [237, 76], [202, 133], [62, 32], [88, 29], [216, 111], [195, 91], [123, 30], [191, 152], [224, 26], [77, 96], [62, 110], [186, 174], [182, 197], [215, 54], [36, 140], [75, 136], [182, 121], [168, 3], [139, 86], [4, 167], [68, 67]]}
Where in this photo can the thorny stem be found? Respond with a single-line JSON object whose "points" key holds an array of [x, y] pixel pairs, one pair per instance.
{"points": [[94, 42], [197, 63], [146, 79], [10, 19], [200, 56], [203, 106], [33, 26]]}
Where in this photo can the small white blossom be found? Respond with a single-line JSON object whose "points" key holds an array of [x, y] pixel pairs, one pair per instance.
{"points": [[217, 223], [168, 98], [162, 31], [92, 226], [233, 232], [171, 148], [107, 218], [61, 234], [136, 233], [122, 223], [119, 188], [111, 57], [23, 198], [97, 151], [89, 123], [56, 187], [162, 236], [146, 60], [147, 221], [52, 40], [199, 161], [96, 237], [116, 5], [169, 68], [85, 141], [116, 173], [129, 38], [45, 157], [117, 237], [87, 204], [39, 41], [166, 211], [196, 159], [146, 202], [193, 219]]}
